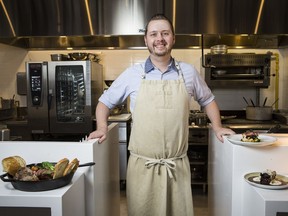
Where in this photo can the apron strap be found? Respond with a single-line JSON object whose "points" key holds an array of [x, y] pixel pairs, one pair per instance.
{"points": [[167, 162]]}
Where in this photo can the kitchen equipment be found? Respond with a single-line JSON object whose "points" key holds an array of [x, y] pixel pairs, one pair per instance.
{"points": [[252, 102], [220, 72], [62, 96], [246, 101], [242, 70], [79, 56], [5, 134], [7, 103], [265, 100], [59, 57], [275, 102], [219, 49], [117, 110], [198, 118], [274, 129], [259, 113], [43, 185]]}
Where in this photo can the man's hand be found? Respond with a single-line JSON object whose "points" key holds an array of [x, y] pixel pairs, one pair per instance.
{"points": [[101, 134]]}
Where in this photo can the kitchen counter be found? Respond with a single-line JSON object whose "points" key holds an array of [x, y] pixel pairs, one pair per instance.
{"points": [[229, 194], [102, 192], [66, 201]]}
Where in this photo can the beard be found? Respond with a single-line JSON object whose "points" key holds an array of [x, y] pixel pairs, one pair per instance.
{"points": [[159, 52]]}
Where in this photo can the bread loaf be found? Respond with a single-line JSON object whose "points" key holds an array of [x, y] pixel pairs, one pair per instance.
{"points": [[12, 164], [60, 168], [72, 167]]}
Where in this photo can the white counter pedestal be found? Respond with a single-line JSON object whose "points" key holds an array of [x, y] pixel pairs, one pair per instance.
{"points": [[229, 193], [102, 190], [258, 201], [66, 201]]}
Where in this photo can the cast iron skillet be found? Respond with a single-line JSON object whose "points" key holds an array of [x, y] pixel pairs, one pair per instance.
{"points": [[43, 185]]}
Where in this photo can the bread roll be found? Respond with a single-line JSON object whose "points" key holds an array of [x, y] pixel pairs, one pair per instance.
{"points": [[12, 164], [60, 168], [72, 166]]}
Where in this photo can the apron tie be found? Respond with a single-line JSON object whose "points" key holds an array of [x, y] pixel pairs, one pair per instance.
{"points": [[167, 162]]}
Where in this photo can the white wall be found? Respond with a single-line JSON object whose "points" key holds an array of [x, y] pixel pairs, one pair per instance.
{"points": [[12, 60]]}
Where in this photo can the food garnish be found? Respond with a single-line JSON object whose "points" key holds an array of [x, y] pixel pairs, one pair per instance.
{"points": [[250, 136], [47, 165]]}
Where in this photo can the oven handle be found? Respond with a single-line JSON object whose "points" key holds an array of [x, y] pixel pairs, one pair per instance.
{"points": [[50, 96]]}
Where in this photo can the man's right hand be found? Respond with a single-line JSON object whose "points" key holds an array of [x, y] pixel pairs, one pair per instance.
{"points": [[98, 134]]}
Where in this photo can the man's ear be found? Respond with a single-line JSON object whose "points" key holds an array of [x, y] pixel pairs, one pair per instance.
{"points": [[145, 41]]}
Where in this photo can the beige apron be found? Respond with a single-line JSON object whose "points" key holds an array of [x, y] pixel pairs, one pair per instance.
{"points": [[158, 174]]}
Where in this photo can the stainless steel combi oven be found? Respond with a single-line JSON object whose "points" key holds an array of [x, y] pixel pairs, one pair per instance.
{"points": [[62, 95], [238, 70]]}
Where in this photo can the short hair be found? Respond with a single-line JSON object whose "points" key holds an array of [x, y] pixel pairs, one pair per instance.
{"points": [[159, 17]]}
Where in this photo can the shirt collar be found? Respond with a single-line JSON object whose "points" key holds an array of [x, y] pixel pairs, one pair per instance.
{"points": [[149, 65]]}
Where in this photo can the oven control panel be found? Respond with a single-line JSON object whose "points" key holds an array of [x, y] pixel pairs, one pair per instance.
{"points": [[35, 77]]}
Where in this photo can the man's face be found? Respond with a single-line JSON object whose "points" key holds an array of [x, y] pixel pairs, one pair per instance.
{"points": [[159, 38]]}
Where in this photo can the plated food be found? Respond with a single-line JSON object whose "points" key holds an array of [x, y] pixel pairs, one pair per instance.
{"points": [[250, 136], [252, 140], [16, 167], [39, 176], [267, 179]]}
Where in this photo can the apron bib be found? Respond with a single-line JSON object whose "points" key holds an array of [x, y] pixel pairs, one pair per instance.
{"points": [[158, 173]]}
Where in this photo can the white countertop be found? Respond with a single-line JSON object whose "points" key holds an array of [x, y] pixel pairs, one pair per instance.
{"points": [[228, 192]]}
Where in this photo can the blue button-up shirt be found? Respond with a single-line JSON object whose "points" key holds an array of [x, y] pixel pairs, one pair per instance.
{"points": [[128, 83]]}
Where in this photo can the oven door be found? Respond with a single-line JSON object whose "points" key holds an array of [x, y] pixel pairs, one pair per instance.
{"points": [[238, 70], [70, 97], [241, 76]]}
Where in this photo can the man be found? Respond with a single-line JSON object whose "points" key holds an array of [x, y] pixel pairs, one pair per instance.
{"points": [[158, 173]]}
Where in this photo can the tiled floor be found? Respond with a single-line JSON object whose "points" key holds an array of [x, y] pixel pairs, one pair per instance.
{"points": [[200, 200]]}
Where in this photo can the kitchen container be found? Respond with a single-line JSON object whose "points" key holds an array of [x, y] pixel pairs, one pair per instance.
{"points": [[259, 113], [7, 103], [79, 56], [219, 49], [59, 57], [5, 134]]}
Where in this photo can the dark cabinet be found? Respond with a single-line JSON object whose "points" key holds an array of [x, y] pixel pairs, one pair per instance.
{"points": [[198, 156]]}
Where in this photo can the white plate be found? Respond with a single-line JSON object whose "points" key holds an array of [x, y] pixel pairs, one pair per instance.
{"points": [[265, 140], [282, 179]]}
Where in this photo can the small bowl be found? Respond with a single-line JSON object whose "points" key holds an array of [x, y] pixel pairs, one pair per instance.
{"points": [[219, 49], [59, 57], [79, 56]]}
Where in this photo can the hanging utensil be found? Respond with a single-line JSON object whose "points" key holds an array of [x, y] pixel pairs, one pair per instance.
{"points": [[264, 101], [275, 102], [252, 102], [246, 101], [274, 129]]}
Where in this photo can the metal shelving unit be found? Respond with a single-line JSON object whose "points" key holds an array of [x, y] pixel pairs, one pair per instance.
{"points": [[198, 156]]}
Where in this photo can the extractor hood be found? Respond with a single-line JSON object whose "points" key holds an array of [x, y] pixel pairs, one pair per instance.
{"points": [[118, 24]]}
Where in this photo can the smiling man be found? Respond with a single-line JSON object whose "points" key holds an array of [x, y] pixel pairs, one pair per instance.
{"points": [[158, 174]]}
